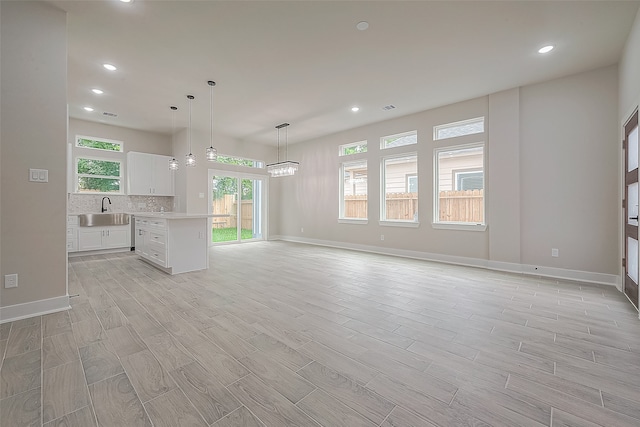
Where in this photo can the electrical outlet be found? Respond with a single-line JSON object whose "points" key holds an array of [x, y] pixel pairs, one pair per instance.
{"points": [[382, 237], [555, 252], [10, 281]]}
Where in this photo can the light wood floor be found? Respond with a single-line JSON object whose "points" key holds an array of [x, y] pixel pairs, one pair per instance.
{"points": [[280, 334]]}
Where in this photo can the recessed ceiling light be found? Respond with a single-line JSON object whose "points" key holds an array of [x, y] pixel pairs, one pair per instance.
{"points": [[97, 91], [355, 109], [109, 67], [362, 25], [126, 1], [546, 49], [89, 109]]}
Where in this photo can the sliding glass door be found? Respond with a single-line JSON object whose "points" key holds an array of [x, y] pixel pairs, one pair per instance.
{"points": [[237, 201]]}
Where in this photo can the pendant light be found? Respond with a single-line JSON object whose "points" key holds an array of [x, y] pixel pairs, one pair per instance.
{"points": [[173, 163], [190, 158], [287, 167], [212, 153]]}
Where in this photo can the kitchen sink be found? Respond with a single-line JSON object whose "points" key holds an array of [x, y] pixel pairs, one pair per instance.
{"points": [[103, 219]]}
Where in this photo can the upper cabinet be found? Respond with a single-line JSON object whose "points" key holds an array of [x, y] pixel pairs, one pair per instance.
{"points": [[149, 174]]}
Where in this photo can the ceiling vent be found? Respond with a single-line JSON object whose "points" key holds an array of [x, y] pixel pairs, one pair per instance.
{"points": [[388, 107], [108, 114]]}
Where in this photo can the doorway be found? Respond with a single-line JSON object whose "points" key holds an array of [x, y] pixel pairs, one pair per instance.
{"points": [[631, 250], [238, 201]]}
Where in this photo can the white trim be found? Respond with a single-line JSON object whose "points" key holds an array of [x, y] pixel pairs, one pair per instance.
{"points": [[78, 253], [240, 174], [25, 310], [392, 223], [353, 221], [529, 270], [459, 124], [461, 226], [342, 147], [95, 138]]}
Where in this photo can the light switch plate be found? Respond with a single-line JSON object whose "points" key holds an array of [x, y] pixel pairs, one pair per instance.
{"points": [[10, 281], [39, 175]]}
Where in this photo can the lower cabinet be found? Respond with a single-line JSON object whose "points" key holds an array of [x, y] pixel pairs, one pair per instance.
{"points": [[151, 240], [97, 238], [176, 244]]}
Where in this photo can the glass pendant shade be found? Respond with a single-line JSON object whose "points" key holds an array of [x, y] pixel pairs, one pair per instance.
{"points": [[190, 159], [173, 164], [287, 167], [212, 153]]}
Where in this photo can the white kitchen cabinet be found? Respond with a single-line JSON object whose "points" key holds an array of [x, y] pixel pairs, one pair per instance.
{"points": [[149, 174], [176, 243], [98, 238], [72, 233]]}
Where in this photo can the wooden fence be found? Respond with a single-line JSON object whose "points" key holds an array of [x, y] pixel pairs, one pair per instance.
{"points": [[460, 206], [227, 205]]}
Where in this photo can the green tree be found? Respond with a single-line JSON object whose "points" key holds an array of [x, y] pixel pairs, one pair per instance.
{"points": [[106, 179]]}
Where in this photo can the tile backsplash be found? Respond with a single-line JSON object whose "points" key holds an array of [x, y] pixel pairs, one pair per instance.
{"points": [[86, 203]]}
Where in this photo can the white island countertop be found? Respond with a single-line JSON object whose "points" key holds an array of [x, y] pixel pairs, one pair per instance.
{"points": [[175, 215]]}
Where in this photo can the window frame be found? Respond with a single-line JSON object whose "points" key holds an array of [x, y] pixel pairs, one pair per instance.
{"points": [[94, 138], [398, 135], [342, 147], [457, 225], [437, 128], [258, 164], [341, 208], [77, 175], [415, 222]]}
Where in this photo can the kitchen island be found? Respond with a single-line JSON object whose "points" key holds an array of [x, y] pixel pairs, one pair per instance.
{"points": [[173, 242]]}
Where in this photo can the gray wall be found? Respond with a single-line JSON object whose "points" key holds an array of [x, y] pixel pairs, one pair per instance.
{"points": [[33, 135], [569, 172], [551, 179], [629, 93], [134, 140]]}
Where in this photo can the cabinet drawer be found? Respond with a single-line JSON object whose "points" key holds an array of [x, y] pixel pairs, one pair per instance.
{"points": [[72, 220], [155, 246], [159, 257], [158, 223], [157, 237], [72, 245], [71, 233]]}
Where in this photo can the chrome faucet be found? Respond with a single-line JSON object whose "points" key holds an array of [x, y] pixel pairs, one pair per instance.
{"points": [[103, 208]]}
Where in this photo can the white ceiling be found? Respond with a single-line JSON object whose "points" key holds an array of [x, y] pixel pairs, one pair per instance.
{"points": [[304, 62]]}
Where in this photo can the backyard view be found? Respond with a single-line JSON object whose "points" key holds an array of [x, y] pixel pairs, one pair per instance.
{"points": [[225, 203]]}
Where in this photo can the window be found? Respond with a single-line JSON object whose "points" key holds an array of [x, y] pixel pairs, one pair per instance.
{"points": [[459, 184], [240, 161], [398, 140], [353, 148], [95, 175], [455, 129], [353, 190], [99, 143], [412, 183], [400, 188]]}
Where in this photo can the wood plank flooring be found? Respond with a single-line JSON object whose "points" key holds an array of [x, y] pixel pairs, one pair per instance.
{"points": [[280, 334]]}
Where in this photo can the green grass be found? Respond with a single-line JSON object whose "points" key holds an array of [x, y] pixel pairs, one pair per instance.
{"points": [[229, 234]]}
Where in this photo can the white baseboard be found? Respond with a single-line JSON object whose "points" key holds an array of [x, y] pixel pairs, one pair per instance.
{"points": [[15, 312], [98, 252], [531, 270]]}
